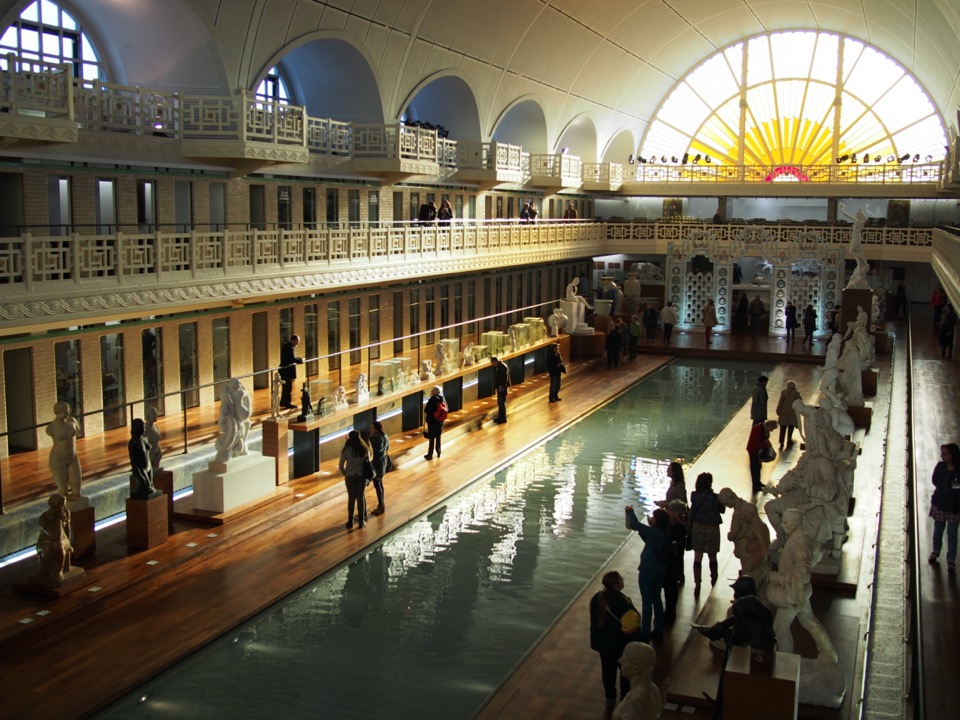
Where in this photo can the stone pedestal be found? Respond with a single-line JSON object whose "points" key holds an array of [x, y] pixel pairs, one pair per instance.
{"points": [[775, 689], [881, 343], [861, 415], [84, 539], [583, 347], [163, 481], [276, 443], [224, 486], [576, 324], [868, 381], [147, 522], [72, 580]]}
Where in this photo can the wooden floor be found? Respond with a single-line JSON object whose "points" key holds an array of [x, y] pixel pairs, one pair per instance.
{"points": [[78, 653]]}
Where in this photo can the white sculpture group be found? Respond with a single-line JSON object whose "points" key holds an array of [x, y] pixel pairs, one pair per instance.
{"points": [[235, 411]]}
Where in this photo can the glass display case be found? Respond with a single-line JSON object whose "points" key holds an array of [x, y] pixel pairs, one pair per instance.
{"points": [[321, 395], [451, 355], [495, 341], [389, 375], [519, 336], [538, 331]]}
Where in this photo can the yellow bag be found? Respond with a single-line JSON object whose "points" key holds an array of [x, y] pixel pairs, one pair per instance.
{"points": [[630, 621]]}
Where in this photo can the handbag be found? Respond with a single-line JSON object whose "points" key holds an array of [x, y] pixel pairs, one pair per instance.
{"points": [[390, 467], [768, 454], [629, 621], [368, 472], [426, 433]]}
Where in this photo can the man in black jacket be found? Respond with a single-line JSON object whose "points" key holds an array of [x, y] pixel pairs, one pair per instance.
{"points": [[288, 371], [501, 381], [555, 368]]}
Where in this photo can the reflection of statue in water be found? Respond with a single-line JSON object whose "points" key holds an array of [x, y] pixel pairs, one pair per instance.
{"points": [[557, 322], [235, 410], [64, 462], [53, 544], [789, 589], [276, 385], [152, 433], [141, 470], [643, 701], [750, 537], [859, 277]]}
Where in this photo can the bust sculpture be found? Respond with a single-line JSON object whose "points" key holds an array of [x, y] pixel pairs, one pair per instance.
{"points": [[53, 544], [152, 433], [557, 322], [643, 701], [141, 469], [64, 462], [340, 398], [235, 411], [789, 590]]}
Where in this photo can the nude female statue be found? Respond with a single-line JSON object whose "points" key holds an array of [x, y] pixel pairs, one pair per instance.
{"points": [[64, 462]]}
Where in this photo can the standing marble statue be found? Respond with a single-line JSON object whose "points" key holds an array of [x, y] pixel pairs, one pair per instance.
{"points": [[64, 461], [632, 292], [53, 544], [850, 378], [141, 469], [440, 360], [858, 280], [830, 384], [363, 390], [750, 537], [235, 411], [152, 433], [557, 322], [276, 385], [643, 701], [789, 590]]}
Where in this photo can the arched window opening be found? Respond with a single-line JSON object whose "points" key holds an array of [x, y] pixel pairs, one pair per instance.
{"points": [[273, 88], [796, 99], [48, 33]]}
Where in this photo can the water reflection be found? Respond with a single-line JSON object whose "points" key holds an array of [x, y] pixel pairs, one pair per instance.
{"points": [[429, 621]]}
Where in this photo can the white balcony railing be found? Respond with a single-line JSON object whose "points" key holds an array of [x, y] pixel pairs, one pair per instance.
{"points": [[608, 173], [34, 87]]}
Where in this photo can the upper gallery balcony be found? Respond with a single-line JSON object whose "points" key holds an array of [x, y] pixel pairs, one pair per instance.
{"points": [[37, 104]]}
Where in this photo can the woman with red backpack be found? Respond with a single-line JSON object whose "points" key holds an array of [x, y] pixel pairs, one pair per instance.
{"points": [[435, 413]]}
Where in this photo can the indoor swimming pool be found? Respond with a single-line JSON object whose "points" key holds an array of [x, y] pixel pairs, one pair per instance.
{"points": [[427, 622]]}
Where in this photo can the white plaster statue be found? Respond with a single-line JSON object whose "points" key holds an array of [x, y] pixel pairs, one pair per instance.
{"points": [[414, 377], [632, 292], [850, 377], [513, 339], [440, 359], [750, 537], [64, 462], [860, 323], [152, 433], [643, 701], [54, 550], [235, 411], [840, 419], [875, 312], [426, 372], [832, 355], [363, 390], [340, 398], [557, 322], [468, 357], [859, 277], [577, 302], [789, 590], [276, 384]]}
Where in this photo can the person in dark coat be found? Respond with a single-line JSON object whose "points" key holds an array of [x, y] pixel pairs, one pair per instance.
{"points": [[501, 381], [434, 425], [555, 369], [809, 325], [288, 371], [948, 324], [614, 346], [945, 504], [379, 446], [652, 568], [758, 400], [607, 636], [651, 316], [673, 577]]}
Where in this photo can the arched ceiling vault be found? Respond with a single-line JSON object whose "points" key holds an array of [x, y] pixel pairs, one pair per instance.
{"points": [[612, 59]]}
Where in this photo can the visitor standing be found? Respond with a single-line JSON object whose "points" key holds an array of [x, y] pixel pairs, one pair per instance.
{"points": [[758, 443], [938, 299], [756, 310], [790, 320], [809, 325], [501, 381], [668, 318], [288, 371], [709, 319], [380, 448], [650, 572], [444, 214], [703, 528], [612, 626], [786, 415], [613, 347], [651, 317], [434, 414], [555, 369], [636, 331], [945, 504], [356, 452], [758, 401], [948, 324]]}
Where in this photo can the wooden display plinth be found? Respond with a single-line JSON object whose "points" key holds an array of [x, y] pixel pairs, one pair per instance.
{"points": [[186, 511], [881, 343], [163, 481], [147, 522], [72, 581], [868, 381], [84, 538], [586, 347], [776, 690], [861, 416], [603, 324], [276, 444]]}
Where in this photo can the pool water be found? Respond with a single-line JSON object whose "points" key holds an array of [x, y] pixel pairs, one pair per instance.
{"points": [[431, 619]]}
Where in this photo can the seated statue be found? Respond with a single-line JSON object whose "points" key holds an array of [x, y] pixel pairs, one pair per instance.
{"points": [[426, 371], [577, 302], [789, 589], [53, 544]]}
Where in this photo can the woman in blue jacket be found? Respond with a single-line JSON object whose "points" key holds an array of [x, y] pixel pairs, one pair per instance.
{"points": [[653, 566]]}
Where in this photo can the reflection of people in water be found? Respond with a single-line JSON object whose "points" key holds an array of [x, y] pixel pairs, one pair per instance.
{"points": [[64, 462]]}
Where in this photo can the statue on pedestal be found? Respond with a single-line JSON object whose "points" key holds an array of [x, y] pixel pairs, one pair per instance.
{"points": [[440, 360], [426, 372], [64, 461], [380, 386], [850, 378], [363, 391], [643, 701], [340, 398], [632, 290], [306, 404], [557, 322], [577, 302], [750, 537], [152, 433], [858, 280], [276, 385], [235, 411], [53, 544], [141, 469], [789, 589]]}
